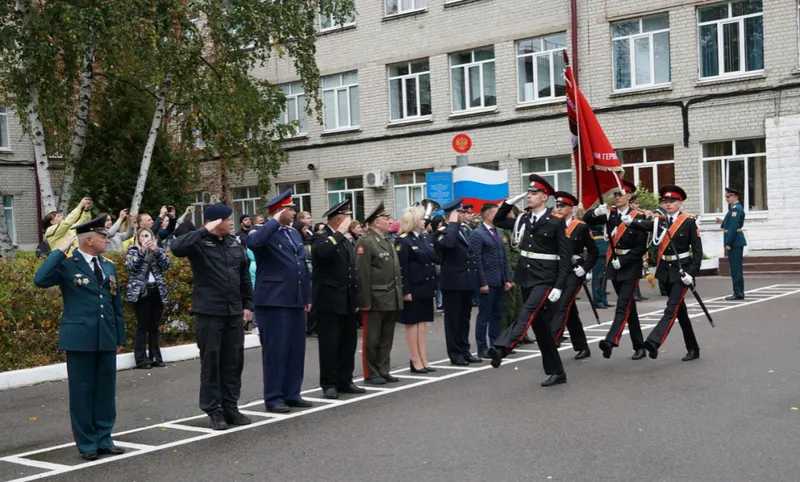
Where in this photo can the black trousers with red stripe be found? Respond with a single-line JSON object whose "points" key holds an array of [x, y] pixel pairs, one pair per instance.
{"points": [[566, 315], [626, 314], [534, 314], [338, 340], [676, 308]]}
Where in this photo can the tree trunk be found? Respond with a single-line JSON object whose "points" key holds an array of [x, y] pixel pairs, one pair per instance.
{"points": [[158, 120], [78, 140], [7, 248], [223, 181]]}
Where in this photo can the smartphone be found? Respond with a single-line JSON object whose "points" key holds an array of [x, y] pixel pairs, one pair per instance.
{"points": [[147, 236]]}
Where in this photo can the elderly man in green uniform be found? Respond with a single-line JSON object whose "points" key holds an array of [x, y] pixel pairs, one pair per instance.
{"points": [[512, 299], [734, 241], [380, 296], [92, 333]]}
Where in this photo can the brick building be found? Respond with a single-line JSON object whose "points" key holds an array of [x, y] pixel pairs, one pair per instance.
{"points": [[18, 182]]}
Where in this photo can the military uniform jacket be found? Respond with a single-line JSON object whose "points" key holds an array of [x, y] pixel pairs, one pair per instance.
{"points": [[580, 239], [417, 257], [685, 239], [92, 319], [631, 245], [459, 271], [732, 226], [512, 251], [333, 276], [380, 286], [546, 237], [282, 277]]}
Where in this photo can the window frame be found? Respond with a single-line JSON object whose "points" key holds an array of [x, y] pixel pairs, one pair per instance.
{"points": [[724, 160], [408, 188], [302, 200], [631, 39], [341, 87], [730, 19], [199, 205], [8, 207], [283, 117], [404, 104], [465, 67], [334, 26], [400, 11], [354, 203], [553, 75], [251, 200], [548, 172], [645, 163], [4, 131]]}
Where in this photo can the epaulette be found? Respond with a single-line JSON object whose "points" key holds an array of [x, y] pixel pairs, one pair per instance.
{"points": [[106, 260], [404, 235], [441, 229], [556, 215]]}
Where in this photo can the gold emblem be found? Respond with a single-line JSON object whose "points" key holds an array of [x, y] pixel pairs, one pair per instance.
{"points": [[85, 281], [112, 284]]}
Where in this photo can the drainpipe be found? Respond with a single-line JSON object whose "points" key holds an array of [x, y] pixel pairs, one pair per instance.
{"points": [[573, 6]]}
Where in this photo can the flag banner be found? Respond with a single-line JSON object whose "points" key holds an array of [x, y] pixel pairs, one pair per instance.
{"points": [[478, 186]]}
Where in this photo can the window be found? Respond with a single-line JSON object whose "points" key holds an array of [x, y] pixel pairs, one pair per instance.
{"points": [[200, 200], [490, 165], [651, 166], [340, 101], [347, 188], [8, 206], [409, 188], [410, 90], [740, 164], [246, 200], [4, 128], [731, 38], [540, 68], [301, 194], [328, 21], [641, 52], [295, 111], [472, 79], [555, 170], [393, 7]]}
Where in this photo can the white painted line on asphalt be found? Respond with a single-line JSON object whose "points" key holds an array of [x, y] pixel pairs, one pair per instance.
{"points": [[270, 418], [261, 414], [131, 445], [520, 350], [323, 400], [36, 463], [449, 367], [414, 377]]}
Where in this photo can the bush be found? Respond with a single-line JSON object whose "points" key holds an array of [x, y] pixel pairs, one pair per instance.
{"points": [[29, 316]]}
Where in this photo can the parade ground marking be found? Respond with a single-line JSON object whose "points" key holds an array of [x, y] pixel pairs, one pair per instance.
{"points": [[194, 433]]}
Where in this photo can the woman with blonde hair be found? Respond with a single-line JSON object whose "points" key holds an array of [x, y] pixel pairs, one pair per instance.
{"points": [[418, 266]]}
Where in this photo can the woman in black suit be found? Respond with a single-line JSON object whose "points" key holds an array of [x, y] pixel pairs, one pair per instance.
{"points": [[417, 257]]}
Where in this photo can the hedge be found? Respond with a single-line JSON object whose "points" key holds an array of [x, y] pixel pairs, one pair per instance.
{"points": [[29, 316]]}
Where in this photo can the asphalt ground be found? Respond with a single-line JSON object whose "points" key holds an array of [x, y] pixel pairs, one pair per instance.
{"points": [[725, 417]]}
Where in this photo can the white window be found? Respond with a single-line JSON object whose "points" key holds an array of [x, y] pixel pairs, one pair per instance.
{"points": [[393, 7], [246, 200], [739, 164], [410, 90], [472, 79], [295, 111], [329, 22], [641, 52], [731, 38], [540, 68], [351, 188], [301, 194], [340, 101], [555, 170], [409, 188], [653, 167], [200, 200], [4, 128], [8, 206]]}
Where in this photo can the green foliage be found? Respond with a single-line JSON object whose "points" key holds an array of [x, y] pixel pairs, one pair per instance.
{"points": [[29, 317], [648, 200]]}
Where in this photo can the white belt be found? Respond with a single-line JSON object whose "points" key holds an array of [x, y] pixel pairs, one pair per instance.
{"points": [[622, 252], [576, 257], [531, 255], [669, 257]]}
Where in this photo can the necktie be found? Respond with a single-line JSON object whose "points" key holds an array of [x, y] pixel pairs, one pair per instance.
{"points": [[494, 233], [669, 222], [97, 271], [533, 220]]}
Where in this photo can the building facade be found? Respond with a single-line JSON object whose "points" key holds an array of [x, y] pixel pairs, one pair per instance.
{"points": [[18, 182]]}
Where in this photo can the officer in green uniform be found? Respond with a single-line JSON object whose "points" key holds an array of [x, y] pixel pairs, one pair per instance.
{"points": [[734, 241], [92, 332], [512, 299], [380, 296]]}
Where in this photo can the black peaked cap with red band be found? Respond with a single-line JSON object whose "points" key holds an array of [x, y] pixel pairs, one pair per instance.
{"points": [[628, 186], [538, 184], [565, 198], [672, 192]]}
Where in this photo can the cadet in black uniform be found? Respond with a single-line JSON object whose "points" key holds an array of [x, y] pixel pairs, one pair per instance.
{"points": [[623, 267], [677, 271], [580, 239], [544, 264]]}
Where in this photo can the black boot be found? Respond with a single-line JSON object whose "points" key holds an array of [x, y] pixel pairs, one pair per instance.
{"points": [[555, 380], [693, 354]]}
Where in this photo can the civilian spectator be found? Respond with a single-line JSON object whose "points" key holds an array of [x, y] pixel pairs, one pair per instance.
{"points": [[115, 238], [57, 228], [305, 218], [355, 231], [245, 224], [318, 227]]}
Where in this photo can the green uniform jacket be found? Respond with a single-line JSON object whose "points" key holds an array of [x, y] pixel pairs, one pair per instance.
{"points": [[732, 226], [512, 252], [92, 319], [380, 285]]}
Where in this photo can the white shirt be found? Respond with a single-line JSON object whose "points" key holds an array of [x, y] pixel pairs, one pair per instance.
{"points": [[89, 258], [539, 215]]}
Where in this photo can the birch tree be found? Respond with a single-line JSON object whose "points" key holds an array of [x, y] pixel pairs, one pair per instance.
{"points": [[7, 247]]}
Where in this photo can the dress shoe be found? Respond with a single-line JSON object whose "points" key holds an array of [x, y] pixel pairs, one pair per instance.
{"points": [[235, 417], [497, 356], [279, 408], [652, 349], [299, 403], [606, 347], [607, 305], [511, 352], [91, 456], [430, 370], [642, 298], [158, 364], [639, 354], [218, 421], [600, 307], [459, 363], [331, 394], [693, 354], [733, 298], [144, 366], [113, 450], [390, 378], [583, 354], [414, 370], [555, 380], [483, 354], [558, 343], [352, 388], [472, 359], [375, 381]]}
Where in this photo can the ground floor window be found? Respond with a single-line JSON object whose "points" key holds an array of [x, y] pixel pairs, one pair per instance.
{"points": [[8, 207], [739, 164], [351, 188]]}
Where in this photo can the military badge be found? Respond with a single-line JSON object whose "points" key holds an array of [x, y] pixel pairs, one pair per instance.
{"points": [[360, 250], [733, 214], [85, 281], [398, 248], [112, 284]]}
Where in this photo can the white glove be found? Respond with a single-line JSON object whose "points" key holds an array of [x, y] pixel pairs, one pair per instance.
{"points": [[616, 264], [589, 276], [613, 233], [687, 279], [601, 210], [554, 295], [516, 199], [579, 271], [627, 219]]}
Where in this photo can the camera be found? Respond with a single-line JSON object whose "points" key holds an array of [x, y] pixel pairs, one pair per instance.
{"points": [[311, 167], [147, 235]]}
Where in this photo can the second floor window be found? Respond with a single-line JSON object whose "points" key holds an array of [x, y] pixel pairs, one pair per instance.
{"points": [[329, 22], [4, 128], [641, 52], [410, 89], [340, 101], [295, 111], [393, 7], [472, 79], [540, 68], [731, 38]]}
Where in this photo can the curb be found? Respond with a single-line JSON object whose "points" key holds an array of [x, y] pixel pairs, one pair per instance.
{"points": [[125, 361]]}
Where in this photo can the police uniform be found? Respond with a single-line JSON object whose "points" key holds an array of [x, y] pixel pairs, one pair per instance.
{"points": [[629, 247], [91, 330], [680, 253], [544, 265], [380, 295], [333, 290], [283, 291], [417, 257], [734, 239], [458, 282], [566, 313]]}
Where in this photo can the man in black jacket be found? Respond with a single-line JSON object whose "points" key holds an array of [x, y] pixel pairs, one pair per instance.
{"points": [[333, 291], [222, 303]]}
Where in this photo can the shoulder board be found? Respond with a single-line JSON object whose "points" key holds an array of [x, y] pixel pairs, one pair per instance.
{"points": [[441, 229], [377, 239], [399, 247], [556, 215], [690, 216], [404, 235], [105, 260]]}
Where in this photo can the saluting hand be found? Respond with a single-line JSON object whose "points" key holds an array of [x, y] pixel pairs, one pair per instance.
{"points": [[211, 226], [344, 226], [453, 217], [718, 220], [516, 199], [65, 245]]}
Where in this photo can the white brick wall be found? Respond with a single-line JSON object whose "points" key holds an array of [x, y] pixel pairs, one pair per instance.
{"points": [[17, 179]]}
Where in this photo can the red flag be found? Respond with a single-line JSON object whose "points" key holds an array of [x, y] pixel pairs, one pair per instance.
{"points": [[590, 146]]}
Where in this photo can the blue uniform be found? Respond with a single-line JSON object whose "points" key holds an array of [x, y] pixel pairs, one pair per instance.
{"points": [[282, 291], [92, 327], [734, 238], [417, 258]]}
